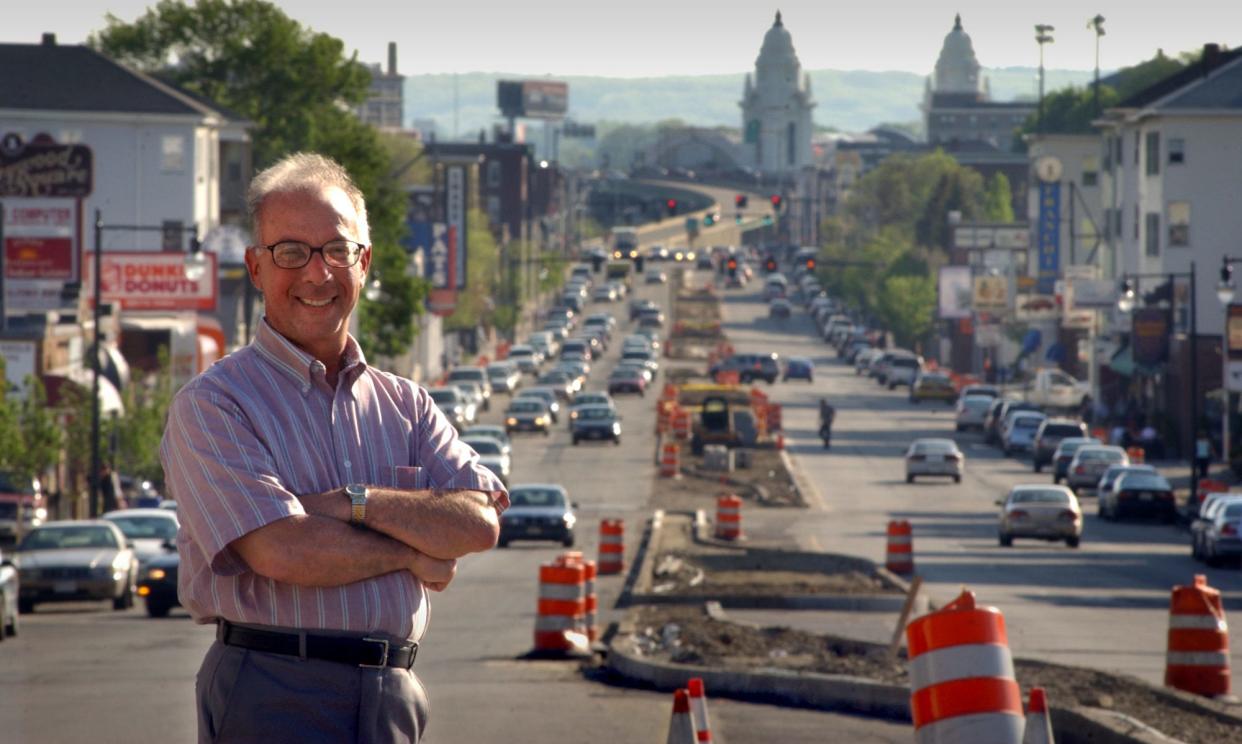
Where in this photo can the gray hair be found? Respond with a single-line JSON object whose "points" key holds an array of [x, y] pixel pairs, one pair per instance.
{"points": [[304, 171]]}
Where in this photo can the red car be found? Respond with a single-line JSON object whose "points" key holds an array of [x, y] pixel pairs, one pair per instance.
{"points": [[627, 379]]}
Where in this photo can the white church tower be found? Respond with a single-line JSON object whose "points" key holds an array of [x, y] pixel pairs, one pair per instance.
{"points": [[776, 107]]}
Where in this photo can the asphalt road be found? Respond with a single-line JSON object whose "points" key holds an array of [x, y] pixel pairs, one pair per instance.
{"points": [[1103, 605], [82, 672]]}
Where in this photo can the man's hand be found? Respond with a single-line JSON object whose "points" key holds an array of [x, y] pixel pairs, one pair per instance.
{"points": [[433, 572]]}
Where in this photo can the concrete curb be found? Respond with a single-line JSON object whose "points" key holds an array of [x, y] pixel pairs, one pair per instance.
{"points": [[807, 491]]}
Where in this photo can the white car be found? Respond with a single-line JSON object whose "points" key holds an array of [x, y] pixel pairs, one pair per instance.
{"points": [[862, 362], [1018, 434], [491, 455], [971, 411], [1089, 464], [147, 530], [902, 370], [1040, 511], [934, 457]]}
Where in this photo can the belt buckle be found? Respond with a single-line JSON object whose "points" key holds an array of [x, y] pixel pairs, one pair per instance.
{"points": [[383, 662]]}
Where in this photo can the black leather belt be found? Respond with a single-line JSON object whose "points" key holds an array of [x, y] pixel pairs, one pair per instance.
{"points": [[362, 652]]}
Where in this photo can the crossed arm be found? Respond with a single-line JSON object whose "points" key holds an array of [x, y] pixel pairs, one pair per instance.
{"points": [[420, 531]]}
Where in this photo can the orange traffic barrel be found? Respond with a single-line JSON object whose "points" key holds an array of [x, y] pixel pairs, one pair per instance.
{"points": [[728, 517], [1198, 656], [611, 546], [1210, 485], [1038, 724], [899, 555], [560, 625], [669, 392], [574, 557], [1136, 455], [670, 460], [962, 687], [681, 424]]}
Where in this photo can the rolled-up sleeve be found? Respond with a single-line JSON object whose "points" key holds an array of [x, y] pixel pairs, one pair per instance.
{"points": [[449, 462], [221, 475]]}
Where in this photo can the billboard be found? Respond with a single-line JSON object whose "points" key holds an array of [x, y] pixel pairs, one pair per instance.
{"points": [[954, 292], [42, 168], [40, 252], [1233, 348], [150, 281], [455, 185], [1048, 235], [1150, 335], [1034, 308], [539, 99], [990, 295]]}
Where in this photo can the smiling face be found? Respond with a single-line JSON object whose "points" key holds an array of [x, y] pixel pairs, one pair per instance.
{"points": [[309, 306]]}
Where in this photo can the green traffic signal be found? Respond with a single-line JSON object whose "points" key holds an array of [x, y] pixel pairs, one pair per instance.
{"points": [[767, 219]]}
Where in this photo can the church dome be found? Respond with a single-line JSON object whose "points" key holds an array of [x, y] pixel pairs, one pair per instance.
{"points": [[777, 43], [957, 69]]}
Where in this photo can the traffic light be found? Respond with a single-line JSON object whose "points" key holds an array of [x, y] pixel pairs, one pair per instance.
{"points": [[810, 263], [740, 201], [776, 202], [770, 264], [731, 265], [709, 219], [737, 218], [671, 205]]}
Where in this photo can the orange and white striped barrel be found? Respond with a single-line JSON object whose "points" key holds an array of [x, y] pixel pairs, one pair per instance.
{"points": [[611, 546], [670, 460], [899, 555], [962, 687], [669, 392], [728, 517], [575, 557], [1198, 655], [560, 624], [681, 424]]}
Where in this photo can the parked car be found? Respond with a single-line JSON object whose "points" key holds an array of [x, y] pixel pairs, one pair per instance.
{"points": [[902, 370], [1222, 538], [492, 456], [971, 411], [1019, 433], [862, 362], [23, 506], [1049, 436], [477, 375], [528, 414], [627, 379], [539, 511], [799, 368], [76, 560], [504, 377], [595, 422], [750, 367], [932, 386], [934, 457], [1054, 388], [1138, 494], [1089, 463], [146, 530], [1064, 454], [10, 588], [1207, 515], [157, 583], [548, 396], [453, 403], [1043, 512]]}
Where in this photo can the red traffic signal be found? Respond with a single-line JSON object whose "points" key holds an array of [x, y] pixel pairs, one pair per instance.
{"points": [[732, 264], [810, 264], [740, 200], [770, 264], [776, 201], [671, 204]]}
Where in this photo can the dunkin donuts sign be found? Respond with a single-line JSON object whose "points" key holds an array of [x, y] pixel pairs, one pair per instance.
{"points": [[151, 281]]}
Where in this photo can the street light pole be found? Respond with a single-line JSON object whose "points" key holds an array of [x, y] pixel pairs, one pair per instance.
{"points": [[1097, 24], [1043, 35]]}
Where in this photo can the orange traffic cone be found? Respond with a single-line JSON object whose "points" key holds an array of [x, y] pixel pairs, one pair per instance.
{"points": [[1038, 725], [698, 710], [680, 727]]}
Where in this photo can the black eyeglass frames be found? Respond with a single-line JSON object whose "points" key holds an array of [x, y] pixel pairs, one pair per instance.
{"points": [[339, 254]]}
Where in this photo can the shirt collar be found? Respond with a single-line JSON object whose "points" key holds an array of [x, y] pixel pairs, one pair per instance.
{"points": [[296, 363]]}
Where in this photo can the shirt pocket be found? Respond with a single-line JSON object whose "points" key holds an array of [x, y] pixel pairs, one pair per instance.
{"points": [[408, 477]]}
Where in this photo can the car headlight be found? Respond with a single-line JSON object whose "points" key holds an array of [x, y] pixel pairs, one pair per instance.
{"points": [[616, 428], [569, 519], [120, 562], [690, 255], [156, 574], [573, 414], [40, 514], [511, 421], [541, 420]]}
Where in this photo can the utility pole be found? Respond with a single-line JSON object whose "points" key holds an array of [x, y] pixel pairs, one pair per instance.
{"points": [[1097, 24], [1043, 35]]}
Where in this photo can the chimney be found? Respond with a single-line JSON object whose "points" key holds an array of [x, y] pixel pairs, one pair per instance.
{"points": [[1211, 58], [49, 39], [392, 58]]}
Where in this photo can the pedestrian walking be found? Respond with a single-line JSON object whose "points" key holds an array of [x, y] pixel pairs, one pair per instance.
{"points": [[1203, 454], [826, 415], [320, 498]]}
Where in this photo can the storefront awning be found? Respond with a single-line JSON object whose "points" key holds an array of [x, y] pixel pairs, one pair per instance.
{"points": [[109, 398], [1123, 364]]}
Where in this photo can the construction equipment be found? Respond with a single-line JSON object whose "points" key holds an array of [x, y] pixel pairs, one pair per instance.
{"points": [[714, 425]]}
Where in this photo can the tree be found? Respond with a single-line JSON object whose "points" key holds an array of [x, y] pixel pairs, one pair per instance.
{"points": [[40, 432], [904, 306], [139, 431], [998, 199], [476, 303], [299, 89]]}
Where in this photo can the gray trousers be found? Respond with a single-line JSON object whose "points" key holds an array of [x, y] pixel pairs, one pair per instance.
{"points": [[253, 696]]}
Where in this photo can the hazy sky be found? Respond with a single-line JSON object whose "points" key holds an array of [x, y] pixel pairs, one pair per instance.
{"points": [[637, 38]]}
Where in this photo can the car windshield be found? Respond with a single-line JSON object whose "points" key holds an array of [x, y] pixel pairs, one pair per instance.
{"points": [[54, 538], [11, 484], [1027, 422], [466, 374], [1107, 455], [1062, 430], [497, 370], [905, 362], [934, 447], [442, 397], [590, 399], [543, 395], [976, 402], [625, 370], [525, 406], [139, 528], [490, 432], [1147, 481], [1070, 446], [595, 414], [484, 446], [1042, 496], [1233, 511], [536, 497]]}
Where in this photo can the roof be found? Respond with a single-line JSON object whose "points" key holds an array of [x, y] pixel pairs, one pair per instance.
{"points": [[1213, 66], [51, 77]]}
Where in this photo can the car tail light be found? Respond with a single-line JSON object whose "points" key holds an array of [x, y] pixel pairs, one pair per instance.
{"points": [[1018, 514], [1067, 515], [1080, 470], [1166, 496], [917, 458], [953, 456], [1124, 495], [1229, 529]]}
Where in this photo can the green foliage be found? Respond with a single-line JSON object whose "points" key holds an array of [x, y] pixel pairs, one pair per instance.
{"points": [[998, 199], [298, 88], [139, 431], [476, 303], [903, 306], [30, 438]]}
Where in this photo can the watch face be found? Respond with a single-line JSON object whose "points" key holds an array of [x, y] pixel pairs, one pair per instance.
{"points": [[356, 491]]}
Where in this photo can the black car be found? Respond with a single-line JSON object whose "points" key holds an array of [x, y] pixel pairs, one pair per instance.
{"points": [[750, 367], [596, 422], [538, 512], [158, 583], [528, 414]]}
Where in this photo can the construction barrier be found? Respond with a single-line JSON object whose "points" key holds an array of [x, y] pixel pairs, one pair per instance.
{"points": [[1038, 724], [669, 392], [681, 424], [560, 625], [962, 687], [1136, 454], [680, 727], [611, 546], [1208, 485], [729, 517], [899, 555], [698, 710], [664, 415], [574, 557], [670, 460], [780, 441], [1198, 655], [728, 377]]}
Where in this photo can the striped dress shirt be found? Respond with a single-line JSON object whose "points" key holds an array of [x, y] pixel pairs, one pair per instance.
{"points": [[262, 426]]}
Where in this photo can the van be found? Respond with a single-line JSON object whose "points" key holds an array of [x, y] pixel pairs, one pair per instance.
{"points": [[23, 506]]}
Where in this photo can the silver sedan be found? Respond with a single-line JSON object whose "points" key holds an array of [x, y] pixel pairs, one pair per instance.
{"points": [[1042, 512], [934, 457]]}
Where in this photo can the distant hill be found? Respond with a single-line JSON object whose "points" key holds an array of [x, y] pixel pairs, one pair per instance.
{"points": [[851, 100]]}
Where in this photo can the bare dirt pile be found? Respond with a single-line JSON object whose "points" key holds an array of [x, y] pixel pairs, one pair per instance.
{"points": [[766, 481], [762, 574]]}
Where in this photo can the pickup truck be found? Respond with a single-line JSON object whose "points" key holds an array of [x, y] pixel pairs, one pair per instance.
{"points": [[1053, 388]]}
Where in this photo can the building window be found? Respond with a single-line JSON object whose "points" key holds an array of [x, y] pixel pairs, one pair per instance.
{"points": [[1108, 154], [493, 208], [1136, 222], [1153, 153], [493, 174], [1117, 152], [1138, 136], [1153, 233], [172, 153], [1117, 222], [1177, 151], [1090, 171], [792, 144], [1179, 224]]}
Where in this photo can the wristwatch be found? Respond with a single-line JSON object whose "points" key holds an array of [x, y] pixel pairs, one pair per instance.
{"points": [[357, 494]]}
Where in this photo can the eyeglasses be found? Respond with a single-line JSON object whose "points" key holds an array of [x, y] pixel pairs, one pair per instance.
{"points": [[339, 254]]}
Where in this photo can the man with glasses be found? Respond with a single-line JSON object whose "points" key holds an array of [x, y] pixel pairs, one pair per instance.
{"points": [[320, 498]]}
